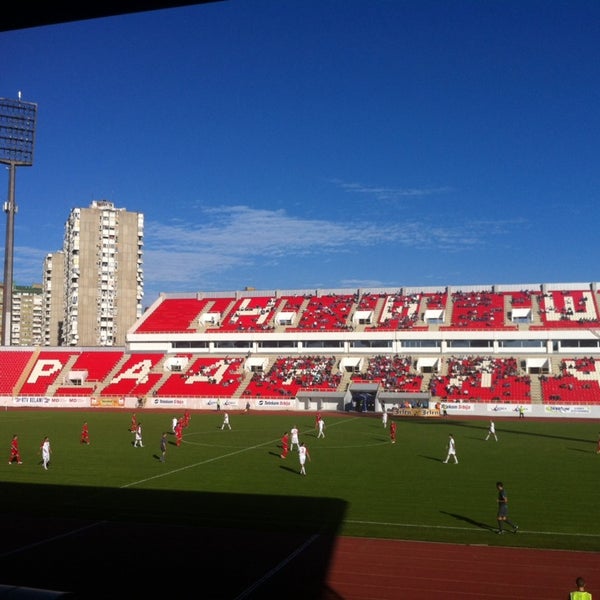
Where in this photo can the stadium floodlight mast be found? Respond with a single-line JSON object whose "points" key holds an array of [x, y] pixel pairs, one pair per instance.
{"points": [[17, 134]]}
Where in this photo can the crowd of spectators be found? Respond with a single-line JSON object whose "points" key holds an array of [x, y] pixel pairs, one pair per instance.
{"points": [[401, 312], [250, 314], [205, 376], [477, 309], [333, 311], [577, 382], [522, 298], [436, 301], [328, 313], [565, 308], [290, 374], [393, 373], [482, 378]]}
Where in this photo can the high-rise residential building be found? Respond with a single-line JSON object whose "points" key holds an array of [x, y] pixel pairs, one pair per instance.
{"points": [[93, 290], [27, 314], [53, 284]]}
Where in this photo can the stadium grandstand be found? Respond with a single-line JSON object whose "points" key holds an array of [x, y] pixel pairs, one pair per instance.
{"points": [[533, 348]]}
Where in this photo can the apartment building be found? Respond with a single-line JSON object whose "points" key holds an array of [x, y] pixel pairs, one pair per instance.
{"points": [[53, 284], [27, 314], [93, 288]]}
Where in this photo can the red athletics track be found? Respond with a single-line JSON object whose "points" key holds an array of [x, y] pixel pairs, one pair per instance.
{"points": [[117, 560], [372, 569]]}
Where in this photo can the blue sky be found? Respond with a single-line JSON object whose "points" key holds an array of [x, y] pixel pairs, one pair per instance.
{"points": [[320, 143]]}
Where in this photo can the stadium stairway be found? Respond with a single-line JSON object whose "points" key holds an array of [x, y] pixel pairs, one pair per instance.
{"points": [[198, 322], [248, 377], [535, 311], [345, 381], [535, 390], [159, 368], [425, 382], [271, 323], [376, 313], [23, 378], [507, 309], [244, 383], [116, 369], [62, 379], [449, 310], [226, 312], [421, 312], [283, 328]]}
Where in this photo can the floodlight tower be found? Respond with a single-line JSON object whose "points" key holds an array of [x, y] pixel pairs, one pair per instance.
{"points": [[17, 133]]}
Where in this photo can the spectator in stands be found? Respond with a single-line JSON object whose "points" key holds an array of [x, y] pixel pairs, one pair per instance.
{"points": [[15, 455]]}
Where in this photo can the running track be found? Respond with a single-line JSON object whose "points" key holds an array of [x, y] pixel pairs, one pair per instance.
{"points": [[123, 560]]}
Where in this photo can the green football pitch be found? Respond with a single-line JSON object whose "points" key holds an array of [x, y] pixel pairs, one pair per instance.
{"points": [[357, 482]]}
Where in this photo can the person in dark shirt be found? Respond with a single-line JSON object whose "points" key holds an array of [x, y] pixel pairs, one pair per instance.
{"points": [[163, 447], [502, 515]]}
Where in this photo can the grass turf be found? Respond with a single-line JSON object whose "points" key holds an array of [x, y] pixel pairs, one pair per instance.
{"points": [[357, 482]]}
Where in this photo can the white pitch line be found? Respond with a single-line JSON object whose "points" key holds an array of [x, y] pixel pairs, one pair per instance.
{"points": [[210, 460], [51, 539], [198, 464], [278, 567], [521, 531]]}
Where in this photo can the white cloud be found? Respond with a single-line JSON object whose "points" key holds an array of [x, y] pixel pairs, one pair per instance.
{"points": [[387, 193], [218, 241], [233, 237]]}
